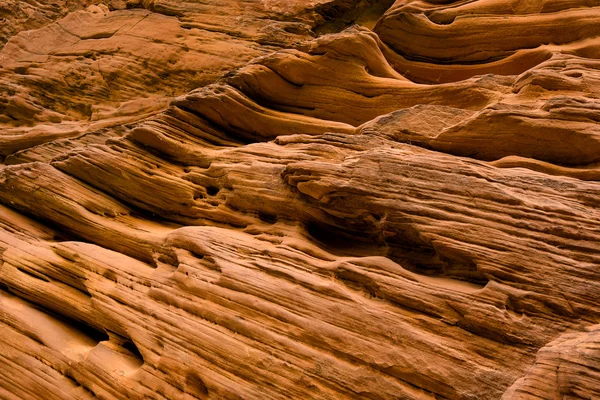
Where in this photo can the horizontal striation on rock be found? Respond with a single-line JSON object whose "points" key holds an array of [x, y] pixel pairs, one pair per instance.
{"points": [[227, 210]]}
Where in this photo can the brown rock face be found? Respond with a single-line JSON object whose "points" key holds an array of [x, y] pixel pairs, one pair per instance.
{"points": [[283, 199]]}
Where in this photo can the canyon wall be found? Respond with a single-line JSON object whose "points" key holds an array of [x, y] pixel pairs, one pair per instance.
{"points": [[285, 199]]}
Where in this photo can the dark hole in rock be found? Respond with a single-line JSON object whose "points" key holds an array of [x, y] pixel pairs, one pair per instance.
{"points": [[429, 262], [95, 334], [343, 244], [132, 348], [340, 17], [21, 70], [212, 190], [268, 218]]}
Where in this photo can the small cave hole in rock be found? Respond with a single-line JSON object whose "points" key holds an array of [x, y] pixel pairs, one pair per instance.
{"points": [[132, 348], [3, 287], [441, 18], [267, 218], [338, 17], [212, 190], [343, 244], [21, 70], [94, 334], [443, 268], [574, 74]]}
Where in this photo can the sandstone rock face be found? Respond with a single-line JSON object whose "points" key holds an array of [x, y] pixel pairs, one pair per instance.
{"points": [[284, 199]]}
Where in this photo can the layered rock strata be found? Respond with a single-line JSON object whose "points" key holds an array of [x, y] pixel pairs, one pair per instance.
{"points": [[403, 212]]}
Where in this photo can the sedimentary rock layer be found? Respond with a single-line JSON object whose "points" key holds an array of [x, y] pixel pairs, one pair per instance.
{"points": [[407, 212]]}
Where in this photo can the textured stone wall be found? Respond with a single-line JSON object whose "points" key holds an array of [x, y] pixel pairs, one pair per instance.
{"points": [[300, 200]]}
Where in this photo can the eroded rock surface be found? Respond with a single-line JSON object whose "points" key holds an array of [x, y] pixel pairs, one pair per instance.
{"points": [[226, 201]]}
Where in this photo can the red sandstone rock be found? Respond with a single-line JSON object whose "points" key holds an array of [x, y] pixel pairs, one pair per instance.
{"points": [[211, 200]]}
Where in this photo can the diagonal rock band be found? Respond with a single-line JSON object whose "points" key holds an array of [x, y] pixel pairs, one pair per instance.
{"points": [[281, 199]]}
